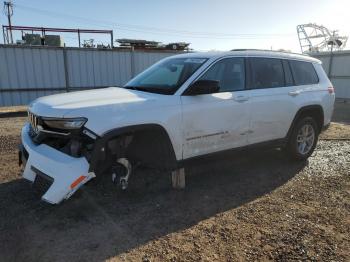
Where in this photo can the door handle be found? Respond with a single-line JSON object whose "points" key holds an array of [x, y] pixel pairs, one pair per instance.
{"points": [[241, 98], [294, 93]]}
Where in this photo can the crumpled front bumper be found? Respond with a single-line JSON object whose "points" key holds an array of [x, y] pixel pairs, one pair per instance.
{"points": [[64, 174]]}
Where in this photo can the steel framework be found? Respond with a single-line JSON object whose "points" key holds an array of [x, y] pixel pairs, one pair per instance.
{"points": [[8, 29], [315, 38]]}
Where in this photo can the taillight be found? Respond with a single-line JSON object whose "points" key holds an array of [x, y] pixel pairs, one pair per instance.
{"points": [[331, 89]]}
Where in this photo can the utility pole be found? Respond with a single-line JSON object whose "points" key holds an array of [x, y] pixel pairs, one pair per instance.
{"points": [[8, 8], [331, 57]]}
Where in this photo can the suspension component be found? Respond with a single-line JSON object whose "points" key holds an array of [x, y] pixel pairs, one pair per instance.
{"points": [[121, 172]]}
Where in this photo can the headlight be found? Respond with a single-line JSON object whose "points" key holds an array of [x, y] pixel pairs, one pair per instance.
{"points": [[65, 123]]}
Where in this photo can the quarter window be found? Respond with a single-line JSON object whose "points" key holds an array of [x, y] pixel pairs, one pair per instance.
{"points": [[303, 72], [266, 73], [230, 73]]}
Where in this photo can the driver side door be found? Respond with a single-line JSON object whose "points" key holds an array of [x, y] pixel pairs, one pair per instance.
{"points": [[218, 121]]}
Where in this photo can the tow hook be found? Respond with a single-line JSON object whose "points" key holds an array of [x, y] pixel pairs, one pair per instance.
{"points": [[121, 173]]}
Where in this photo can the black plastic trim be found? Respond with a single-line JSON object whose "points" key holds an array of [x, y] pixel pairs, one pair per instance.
{"points": [[42, 174], [268, 144], [42, 182], [325, 127]]}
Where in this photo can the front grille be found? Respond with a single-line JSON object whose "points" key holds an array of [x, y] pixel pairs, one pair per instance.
{"points": [[33, 119], [42, 182]]}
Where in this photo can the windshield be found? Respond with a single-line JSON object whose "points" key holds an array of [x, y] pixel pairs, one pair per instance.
{"points": [[166, 76]]}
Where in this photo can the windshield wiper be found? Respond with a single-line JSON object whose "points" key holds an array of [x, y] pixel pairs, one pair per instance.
{"points": [[156, 90], [130, 87]]}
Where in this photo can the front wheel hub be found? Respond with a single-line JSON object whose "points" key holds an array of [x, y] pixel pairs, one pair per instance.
{"points": [[121, 172]]}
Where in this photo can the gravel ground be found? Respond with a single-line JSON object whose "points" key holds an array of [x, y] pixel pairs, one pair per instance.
{"points": [[253, 206], [341, 111]]}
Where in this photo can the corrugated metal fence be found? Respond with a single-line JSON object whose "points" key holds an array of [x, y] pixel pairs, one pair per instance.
{"points": [[337, 67], [30, 72]]}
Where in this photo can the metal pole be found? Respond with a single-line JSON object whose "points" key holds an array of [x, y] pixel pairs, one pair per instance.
{"points": [[42, 36], [79, 37], [7, 35], [65, 64], [112, 39], [3, 34], [331, 59], [132, 62], [9, 13]]}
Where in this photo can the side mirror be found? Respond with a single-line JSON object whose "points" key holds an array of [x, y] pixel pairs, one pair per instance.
{"points": [[203, 87]]}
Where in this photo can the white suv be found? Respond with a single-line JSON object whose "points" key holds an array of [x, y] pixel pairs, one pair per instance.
{"points": [[183, 107]]}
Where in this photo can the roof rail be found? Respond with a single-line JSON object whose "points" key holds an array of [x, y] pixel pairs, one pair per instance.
{"points": [[248, 49], [266, 50]]}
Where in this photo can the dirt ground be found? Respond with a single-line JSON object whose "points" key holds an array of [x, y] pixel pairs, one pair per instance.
{"points": [[341, 112], [252, 206]]}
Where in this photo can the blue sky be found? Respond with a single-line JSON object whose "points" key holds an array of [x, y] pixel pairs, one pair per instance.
{"points": [[206, 24]]}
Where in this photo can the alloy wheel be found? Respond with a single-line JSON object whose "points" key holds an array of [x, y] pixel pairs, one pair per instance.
{"points": [[305, 139]]}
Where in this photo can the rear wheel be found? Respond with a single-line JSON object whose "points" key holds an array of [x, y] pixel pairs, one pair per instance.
{"points": [[303, 138]]}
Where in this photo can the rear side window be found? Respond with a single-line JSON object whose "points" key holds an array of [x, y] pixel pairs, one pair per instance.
{"points": [[230, 72], [266, 73], [303, 72]]}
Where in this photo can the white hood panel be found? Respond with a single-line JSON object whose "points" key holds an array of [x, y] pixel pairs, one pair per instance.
{"points": [[61, 104], [110, 108]]}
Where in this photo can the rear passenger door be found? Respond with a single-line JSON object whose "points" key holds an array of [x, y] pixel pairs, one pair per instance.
{"points": [[272, 100]]}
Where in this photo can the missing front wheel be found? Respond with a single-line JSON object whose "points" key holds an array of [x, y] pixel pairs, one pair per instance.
{"points": [[121, 172]]}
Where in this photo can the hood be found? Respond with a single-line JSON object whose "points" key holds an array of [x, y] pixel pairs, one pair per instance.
{"points": [[62, 104]]}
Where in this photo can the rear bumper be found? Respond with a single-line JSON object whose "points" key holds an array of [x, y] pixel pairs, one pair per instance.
{"points": [[64, 173]]}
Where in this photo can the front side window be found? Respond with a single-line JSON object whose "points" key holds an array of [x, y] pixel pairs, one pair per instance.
{"points": [[166, 76], [230, 72], [266, 73], [303, 72]]}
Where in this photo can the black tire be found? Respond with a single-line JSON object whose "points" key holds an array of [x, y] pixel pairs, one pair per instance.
{"points": [[297, 141]]}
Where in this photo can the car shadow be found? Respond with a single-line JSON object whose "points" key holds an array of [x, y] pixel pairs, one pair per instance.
{"points": [[99, 223]]}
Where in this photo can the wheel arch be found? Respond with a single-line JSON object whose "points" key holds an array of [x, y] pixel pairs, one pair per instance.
{"points": [[99, 151], [315, 111]]}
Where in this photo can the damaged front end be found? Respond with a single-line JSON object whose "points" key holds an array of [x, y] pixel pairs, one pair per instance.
{"points": [[56, 155]]}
